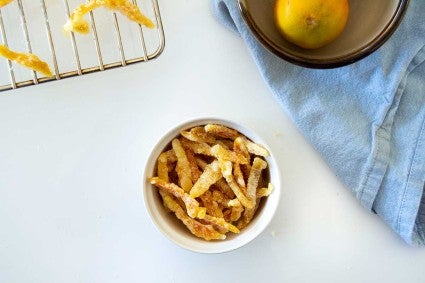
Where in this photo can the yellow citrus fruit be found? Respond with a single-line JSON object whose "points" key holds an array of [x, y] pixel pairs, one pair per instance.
{"points": [[311, 24]]}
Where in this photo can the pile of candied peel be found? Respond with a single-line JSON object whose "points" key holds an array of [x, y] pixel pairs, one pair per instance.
{"points": [[213, 179], [75, 23]]}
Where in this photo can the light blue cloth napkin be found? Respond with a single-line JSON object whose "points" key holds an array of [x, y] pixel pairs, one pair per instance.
{"points": [[366, 119]]}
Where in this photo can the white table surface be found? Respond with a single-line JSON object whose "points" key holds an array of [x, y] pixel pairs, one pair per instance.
{"points": [[72, 153]]}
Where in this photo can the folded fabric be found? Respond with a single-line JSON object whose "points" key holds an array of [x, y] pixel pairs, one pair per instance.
{"points": [[365, 119]]}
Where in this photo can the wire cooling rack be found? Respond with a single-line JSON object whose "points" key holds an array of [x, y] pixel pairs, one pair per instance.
{"points": [[35, 26]]}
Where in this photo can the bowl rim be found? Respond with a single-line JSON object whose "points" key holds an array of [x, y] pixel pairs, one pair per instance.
{"points": [[164, 139], [336, 62]]}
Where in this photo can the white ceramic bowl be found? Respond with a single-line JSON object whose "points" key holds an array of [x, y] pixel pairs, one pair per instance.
{"points": [[174, 230]]}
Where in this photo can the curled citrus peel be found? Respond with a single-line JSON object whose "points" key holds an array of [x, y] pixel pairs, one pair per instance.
{"points": [[4, 2], [77, 23], [201, 230], [27, 60]]}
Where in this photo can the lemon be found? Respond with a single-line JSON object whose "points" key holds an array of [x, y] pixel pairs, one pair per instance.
{"points": [[311, 24]]}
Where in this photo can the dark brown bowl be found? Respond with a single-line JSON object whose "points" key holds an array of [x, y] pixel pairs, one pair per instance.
{"points": [[369, 25]]}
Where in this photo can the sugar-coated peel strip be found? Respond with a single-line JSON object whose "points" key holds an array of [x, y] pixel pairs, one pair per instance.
{"points": [[239, 146], [4, 2], [265, 192], [236, 210], [170, 156], [163, 160], [183, 166], [248, 214], [221, 222], [258, 166], [203, 231], [194, 169], [227, 144], [221, 184], [220, 198], [198, 148], [225, 188], [192, 205], [77, 23], [27, 60], [237, 172], [221, 131], [255, 148], [198, 134], [211, 205], [220, 152], [226, 170], [210, 176]]}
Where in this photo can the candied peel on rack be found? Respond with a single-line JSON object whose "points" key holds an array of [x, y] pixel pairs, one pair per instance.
{"points": [[27, 60], [4, 2], [77, 23]]}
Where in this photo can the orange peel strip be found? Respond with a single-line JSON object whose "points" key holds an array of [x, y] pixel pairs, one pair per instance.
{"points": [[195, 172], [163, 160], [77, 23], [247, 216], [240, 147], [236, 210], [198, 148], [210, 176], [237, 172], [265, 192], [27, 60], [198, 134], [220, 198], [254, 148], [226, 170], [221, 223], [221, 184], [221, 131], [192, 205], [212, 207], [183, 166], [228, 144], [200, 230], [254, 176], [225, 188], [249, 213], [220, 152], [4, 2]]}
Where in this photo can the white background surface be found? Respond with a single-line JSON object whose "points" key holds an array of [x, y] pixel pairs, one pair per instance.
{"points": [[72, 154]]}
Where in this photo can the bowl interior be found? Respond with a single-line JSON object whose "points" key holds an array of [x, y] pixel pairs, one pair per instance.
{"points": [[173, 229], [368, 21]]}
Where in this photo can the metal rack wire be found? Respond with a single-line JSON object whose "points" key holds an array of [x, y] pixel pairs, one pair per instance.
{"points": [[141, 52]]}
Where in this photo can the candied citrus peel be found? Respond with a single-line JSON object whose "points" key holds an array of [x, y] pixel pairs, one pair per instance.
{"points": [[206, 177], [26, 59], [204, 231], [77, 23], [4, 2]]}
